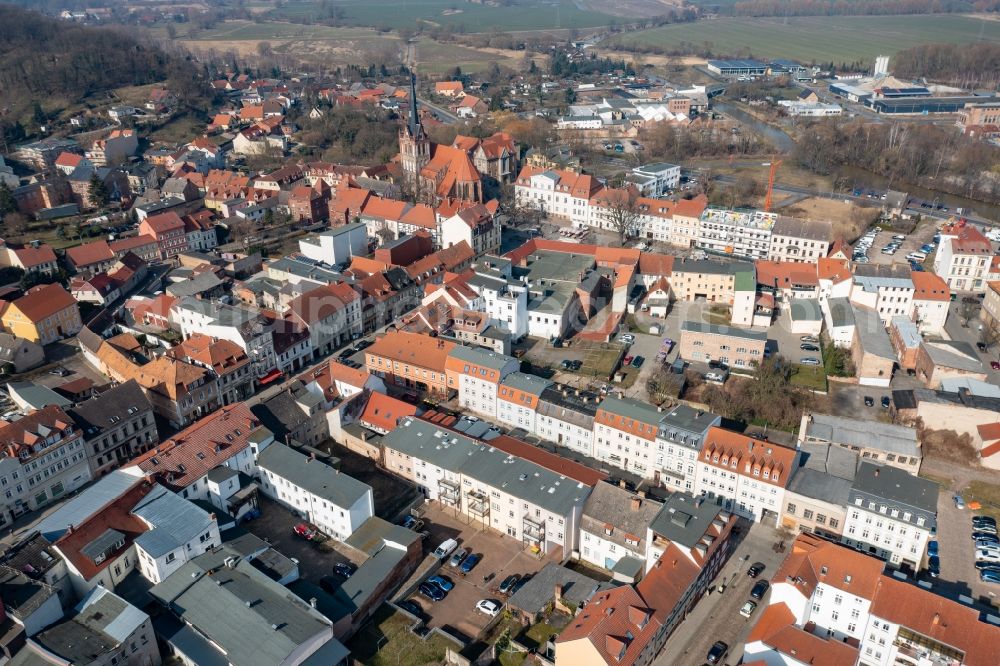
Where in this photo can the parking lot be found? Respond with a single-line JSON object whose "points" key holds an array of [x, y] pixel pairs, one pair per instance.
{"points": [[911, 242], [954, 536], [781, 340], [689, 643], [315, 559], [501, 556]]}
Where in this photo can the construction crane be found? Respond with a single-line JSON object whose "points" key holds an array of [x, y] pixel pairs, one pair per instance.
{"points": [[770, 184]]}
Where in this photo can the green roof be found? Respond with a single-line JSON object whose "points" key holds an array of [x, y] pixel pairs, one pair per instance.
{"points": [[745, 281]]}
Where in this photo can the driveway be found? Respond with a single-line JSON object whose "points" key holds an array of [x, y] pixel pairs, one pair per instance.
{"points": [[717, 617]]}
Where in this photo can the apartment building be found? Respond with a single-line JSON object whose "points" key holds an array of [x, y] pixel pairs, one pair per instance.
{"points": [[562, 195], [231, 436], [739, 347], [45, 314], [476, 373], [886, 289], [625, 435], [412, 360], [681, 433], [117, 426], [335, 502], [518, 398], [701, 279], [801, 241], [736, 233], [891, 514], [751, 475], [167, 229], [514, 496], [332, 313], [176, 531], [247, 327], [45, 458], [963, 257], [874, 441], [829, 604], [931, 299], [820, 489], [566, 417], [226, 359], [474, 225], [614, 527]]}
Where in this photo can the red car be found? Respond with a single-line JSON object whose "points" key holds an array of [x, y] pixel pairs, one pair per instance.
{"points": [[995, 365], [627, 360], [306, 531]]}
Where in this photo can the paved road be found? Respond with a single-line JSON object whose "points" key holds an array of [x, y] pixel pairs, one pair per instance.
{"points": [[443, 114], [717, 617], [782, 141]]}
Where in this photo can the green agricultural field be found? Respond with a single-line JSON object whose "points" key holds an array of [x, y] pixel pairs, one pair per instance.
{"points": [[816, 39], [241, 31], [523, 15]]}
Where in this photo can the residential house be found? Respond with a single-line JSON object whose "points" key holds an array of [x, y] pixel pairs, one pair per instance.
{"points": [[44, 459], [891, 514], [938, 360], [750, 474], [168, 230], [333, 501], [411, 360], [332, 313], [963, 257], [625, 435], [177, 531], [226, 359], [18, 355], [817, 497], [44, 314], [931, 298], [875, 441], [34, 258], [803, 241], [476, 226], [117, 426], [517, 400], [614, 526], [475, 374], [682, 431], [742, 348], [566, 417]]}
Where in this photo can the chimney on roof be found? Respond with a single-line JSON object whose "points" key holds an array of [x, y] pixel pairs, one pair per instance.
{"points": [[557, 592], [876, 472], [635, 503], [937, 619]]}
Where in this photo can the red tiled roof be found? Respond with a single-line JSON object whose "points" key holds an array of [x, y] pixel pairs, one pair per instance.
{"points": [[222, 356], [383, 412], [742, 454], [43, 301], [116, 515], [210, 442], [23, 434], [550, 461], [164, 222], [90, 253], [126, 244], [421, 351], [813, 560], [928, 286], [35, 256]]}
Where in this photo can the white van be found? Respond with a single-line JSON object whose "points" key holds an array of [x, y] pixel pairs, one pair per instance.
{"points": [[445, 549], [916, 256]]}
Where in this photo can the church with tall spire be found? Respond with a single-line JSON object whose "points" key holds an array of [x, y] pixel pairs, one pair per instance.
{"points": [[460, 171]]}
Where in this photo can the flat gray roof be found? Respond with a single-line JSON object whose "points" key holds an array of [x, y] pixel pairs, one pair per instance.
{"points": [[731, 331], [874, 339], [483, 357], [894, 486], [175, 521], [633, 409], [684, 519], [521, 381], [314, 476], [539, 591], [863, 433], [806, 309], [953, 354]]}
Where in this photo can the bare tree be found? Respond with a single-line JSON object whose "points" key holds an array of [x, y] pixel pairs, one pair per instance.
{"points": [[967, 310], [623, 212]]}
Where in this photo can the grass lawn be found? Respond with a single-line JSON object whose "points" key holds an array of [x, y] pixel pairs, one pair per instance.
{"points": [[387, 641], [811, 377], [539, 633], [599, 359], [512, 658], [987, 494], [528, 15], [943, 481], [817, 39], [179, 129]]}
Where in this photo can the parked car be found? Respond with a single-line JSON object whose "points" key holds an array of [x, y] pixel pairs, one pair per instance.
{"points": [[995, 365], [626, 338], [869, 401], [519, 584], [638, 361], [508, 583], [960, 504], [488, 606], [748, 608], [459, 557], [806, 346], [759, 590], [470, 562], [934, 566], [989, 576], [886, 402], [431, 591], [809, 338], [987, 565], [344, 569], [755, 569], [411, 607], [306, 531], [442, 581], [988, 544], [715, 376], [445, 549], [717, 652], [810, 360], [60, 371], [627, 360], [984, 534], [932, 548], [983, 520]]}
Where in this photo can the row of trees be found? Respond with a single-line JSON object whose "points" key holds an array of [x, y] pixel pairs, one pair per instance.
{"points": [[965, 65], [849, 7], [904, 152]]}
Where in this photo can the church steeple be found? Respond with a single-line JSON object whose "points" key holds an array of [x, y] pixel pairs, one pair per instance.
{"points": [[413, 122]]}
